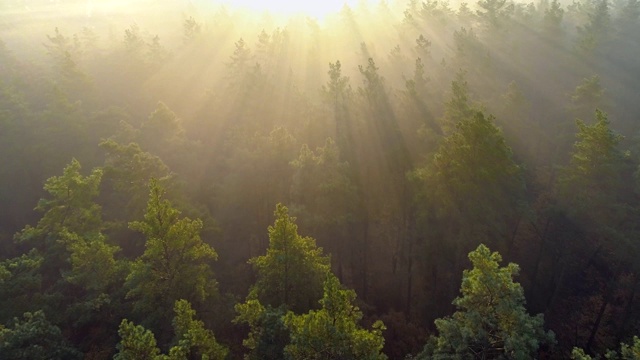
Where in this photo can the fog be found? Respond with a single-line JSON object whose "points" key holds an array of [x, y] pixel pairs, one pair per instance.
{"points": [[354, 117]]}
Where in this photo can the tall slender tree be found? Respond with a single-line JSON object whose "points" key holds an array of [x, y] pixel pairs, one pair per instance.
{"points": [[176, 263], [293, 269]]}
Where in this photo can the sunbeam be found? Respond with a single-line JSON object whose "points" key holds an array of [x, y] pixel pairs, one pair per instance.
{"points": [[315, 9]]}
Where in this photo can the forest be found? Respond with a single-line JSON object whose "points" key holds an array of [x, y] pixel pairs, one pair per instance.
{"points": [[398, 179]]}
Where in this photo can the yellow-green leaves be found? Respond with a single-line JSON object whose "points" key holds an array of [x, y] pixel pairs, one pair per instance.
{"points": [[70, 205], [193, 340], [590, 187], [333, 331], [176, 262], [137, 343], [294, 268]]}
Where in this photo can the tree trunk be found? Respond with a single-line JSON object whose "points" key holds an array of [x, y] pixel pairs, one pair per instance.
{"points": [[606, 297], [512, 240], [596, 325], [365, 257], [556, 288], [407, 309]]}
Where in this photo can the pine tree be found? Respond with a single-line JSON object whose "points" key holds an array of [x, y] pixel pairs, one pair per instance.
{"points": [[332, 332], [293, 270], [491, 321], [193, 339], [290, 277], [34, 338], [590, 185], [176, 263], [137, 343]]}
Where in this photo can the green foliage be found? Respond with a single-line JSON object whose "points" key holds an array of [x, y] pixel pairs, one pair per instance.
{"points": [[597, 29], [161, 129], [337, 88], [459, 107], [332, 332], [627, 352], [141, 54], [65, 54], [128, 170], [587, 97], [553, 16], [93, 263], [579, 354], [20, 284], [415, 96], [4, 274], [34, 338], [193, 339], [267, 335], [322, 186], [373, 84], [15, 136], [472, 180], [293, 270], [71, 218], [337, 94], [630, 352], [417, 86], [77, 267], [469, 48], [242, 74], [290, 277], [70, 207], [492, 322], [361, 212], [240, 58], [176, 262], [495, 12], [137, 343], [590, 185]]}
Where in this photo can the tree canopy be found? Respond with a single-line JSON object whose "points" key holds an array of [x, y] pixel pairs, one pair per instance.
{"points": [[491, 321]]}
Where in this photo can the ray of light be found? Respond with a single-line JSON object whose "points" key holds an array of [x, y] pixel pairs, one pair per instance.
{"points": [[315, 9]]}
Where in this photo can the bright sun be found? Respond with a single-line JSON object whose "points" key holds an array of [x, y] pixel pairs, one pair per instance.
{"points": [[315, 9]]}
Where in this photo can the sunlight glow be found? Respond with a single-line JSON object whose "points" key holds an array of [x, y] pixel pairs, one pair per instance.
{"points": [[315, 9]]}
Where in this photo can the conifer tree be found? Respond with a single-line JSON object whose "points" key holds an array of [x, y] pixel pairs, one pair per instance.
{"points": [[34, 338], [176, 263], [491, 321], [290, 277], [293, 270], [332, 332], [192, 340]]}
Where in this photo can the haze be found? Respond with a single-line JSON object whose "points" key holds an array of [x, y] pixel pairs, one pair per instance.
{"points": [[179, 164]]}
